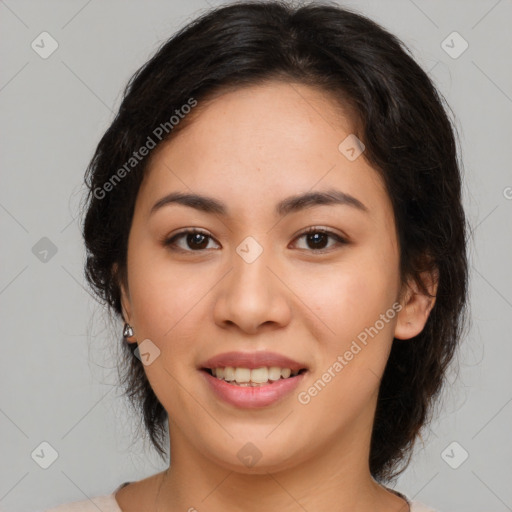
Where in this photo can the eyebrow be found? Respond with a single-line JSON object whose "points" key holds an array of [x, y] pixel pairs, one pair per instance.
{"points": [[289, 205]]}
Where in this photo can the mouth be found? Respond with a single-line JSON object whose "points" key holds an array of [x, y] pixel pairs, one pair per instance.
{"points": [[253, 377], [252, 380]]}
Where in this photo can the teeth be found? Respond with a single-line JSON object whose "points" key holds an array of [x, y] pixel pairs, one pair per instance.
{"points": [[256, 376], [274, 373], [229, 373], [285, 373], [242, 375], [259, 375]]}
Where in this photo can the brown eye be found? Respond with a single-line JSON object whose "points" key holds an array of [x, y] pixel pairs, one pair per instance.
{"points": [[194, 240], [317, 239]]}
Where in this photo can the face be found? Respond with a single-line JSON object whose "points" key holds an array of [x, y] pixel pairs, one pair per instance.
{"points": [[253, 280]]}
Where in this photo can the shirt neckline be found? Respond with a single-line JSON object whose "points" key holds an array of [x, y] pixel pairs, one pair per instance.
{"points": [[403, 496]]}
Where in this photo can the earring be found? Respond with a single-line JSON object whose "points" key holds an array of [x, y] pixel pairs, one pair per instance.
{"points": [[127, 331]]}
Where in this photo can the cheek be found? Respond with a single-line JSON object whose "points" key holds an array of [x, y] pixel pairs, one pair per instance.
{"points": [[356, 345], [165, 305], [163, 293], [348, 296]]}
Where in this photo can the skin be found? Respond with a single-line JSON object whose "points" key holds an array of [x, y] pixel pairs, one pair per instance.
{"points": [[251, 148]]}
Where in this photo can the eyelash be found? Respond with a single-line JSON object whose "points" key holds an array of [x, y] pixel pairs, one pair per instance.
{"points": [[170, 242]]}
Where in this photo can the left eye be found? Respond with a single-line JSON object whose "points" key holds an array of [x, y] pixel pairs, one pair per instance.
{"points": [[198, 241], [317, 237]]}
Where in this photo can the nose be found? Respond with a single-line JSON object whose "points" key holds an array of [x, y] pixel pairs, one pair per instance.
{"points": [[253, 295]]}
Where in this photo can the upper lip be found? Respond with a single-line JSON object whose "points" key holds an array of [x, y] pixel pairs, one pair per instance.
{"points": [[252, 360]]}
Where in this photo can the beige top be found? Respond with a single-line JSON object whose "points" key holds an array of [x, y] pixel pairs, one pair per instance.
{"points": [[108, 503]]}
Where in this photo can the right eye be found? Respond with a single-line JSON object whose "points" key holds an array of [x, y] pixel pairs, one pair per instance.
{"points": [[195, 239]]}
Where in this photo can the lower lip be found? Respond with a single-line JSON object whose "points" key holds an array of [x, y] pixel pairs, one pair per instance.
{"points": [[252, 397]]}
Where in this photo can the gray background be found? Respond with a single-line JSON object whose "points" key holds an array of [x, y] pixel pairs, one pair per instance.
{"points": [[58, 377]]}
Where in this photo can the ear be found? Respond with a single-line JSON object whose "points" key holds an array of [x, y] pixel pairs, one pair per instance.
{"points": [[125, 300], [416, 306]]}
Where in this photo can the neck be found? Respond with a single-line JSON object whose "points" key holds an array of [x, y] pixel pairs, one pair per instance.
{"points": [[337, 478]]}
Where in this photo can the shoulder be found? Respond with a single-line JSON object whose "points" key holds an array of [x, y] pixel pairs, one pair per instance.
{"points": [[105, 503], [416, 506]]}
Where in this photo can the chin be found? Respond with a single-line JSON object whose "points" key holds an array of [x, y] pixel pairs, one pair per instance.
{"points": [[257, 455]]}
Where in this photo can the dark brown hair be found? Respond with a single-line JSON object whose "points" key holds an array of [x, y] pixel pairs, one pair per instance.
{"points": [[398, 114]]}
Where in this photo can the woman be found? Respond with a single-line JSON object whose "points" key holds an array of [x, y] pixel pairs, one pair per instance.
{"points": [[275, 215]]}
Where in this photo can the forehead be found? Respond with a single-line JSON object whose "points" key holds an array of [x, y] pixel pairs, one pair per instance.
{"points": [[272, 119], [259, 144]]}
